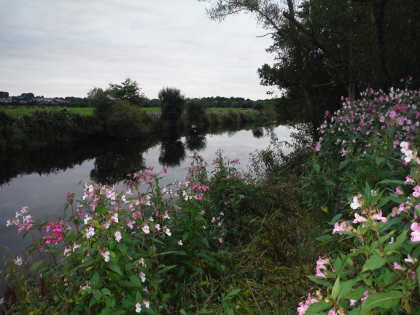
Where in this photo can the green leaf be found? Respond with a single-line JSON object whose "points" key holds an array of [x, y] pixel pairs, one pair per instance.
{"points": [[397, 244], [36, 265], [385, 300], [418, 277], [373, 263], [319, 281], [318, 307], [115, 268], [336, 289], [106, 291], [346, 288]]}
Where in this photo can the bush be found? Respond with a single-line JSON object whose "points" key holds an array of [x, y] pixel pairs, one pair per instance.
{"points": [[121, 252], [366, 169]]}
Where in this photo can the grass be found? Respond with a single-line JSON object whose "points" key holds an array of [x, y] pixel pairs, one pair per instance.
{"points": [[17, 111]]}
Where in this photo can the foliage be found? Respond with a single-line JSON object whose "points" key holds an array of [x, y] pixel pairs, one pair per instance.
{"points": [[128, 91], [325, 48], [367, 170], [124, 252], [172, 104]]}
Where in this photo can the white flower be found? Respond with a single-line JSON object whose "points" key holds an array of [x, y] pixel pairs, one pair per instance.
{"points": [[118, 236], [18, 261], [146, 303], [180, 243], [85, 287], [66, 251], [138, 308], [168, 231], [75, 246], [115, 217], [105, 255], [87, 219], [142, 262], [90, 232], [142, 277], [146, 229], [355, 204], [2, 301], [157, 226]]}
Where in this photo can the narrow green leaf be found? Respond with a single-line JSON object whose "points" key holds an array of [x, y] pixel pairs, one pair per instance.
{"points": [[336, 289]]}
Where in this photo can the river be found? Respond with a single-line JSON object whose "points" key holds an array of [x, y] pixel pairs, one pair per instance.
{"points": [[40, 181]]}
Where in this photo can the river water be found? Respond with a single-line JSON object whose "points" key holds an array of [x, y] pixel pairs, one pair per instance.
{"points": [[40, 181]]}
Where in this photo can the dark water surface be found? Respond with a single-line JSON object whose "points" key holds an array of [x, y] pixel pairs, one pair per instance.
{"points": [[41, 181]]}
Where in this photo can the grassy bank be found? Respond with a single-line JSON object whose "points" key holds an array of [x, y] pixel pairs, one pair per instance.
{"points": [[35, 128], [18, 111]]}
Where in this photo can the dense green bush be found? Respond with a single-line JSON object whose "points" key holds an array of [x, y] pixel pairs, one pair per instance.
{"points": [[365, 168]]}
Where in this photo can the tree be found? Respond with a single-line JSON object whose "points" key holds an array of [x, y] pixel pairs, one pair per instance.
{"points": [[326, 49], [172, 104], [128, 90]]}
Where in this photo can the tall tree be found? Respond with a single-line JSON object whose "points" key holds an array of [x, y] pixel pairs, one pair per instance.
{"points": [[325, 49]]}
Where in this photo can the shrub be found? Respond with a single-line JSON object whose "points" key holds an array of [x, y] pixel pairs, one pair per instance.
{"points": [[366, 169]]}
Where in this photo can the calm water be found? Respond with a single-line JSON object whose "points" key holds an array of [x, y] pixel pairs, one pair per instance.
{"points": [[41, 181]]}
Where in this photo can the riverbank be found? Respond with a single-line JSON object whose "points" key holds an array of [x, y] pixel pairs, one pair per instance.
{"points": [[35, 129], [336, 223]]}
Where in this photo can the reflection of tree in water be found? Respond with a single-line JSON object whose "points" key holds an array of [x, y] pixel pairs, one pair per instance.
{"points": [[113, 167], [258, 132], [172, 152], [195, 139]]}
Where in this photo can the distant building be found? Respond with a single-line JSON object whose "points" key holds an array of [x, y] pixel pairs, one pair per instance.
{"points": [[4, 94], [27, 96]]}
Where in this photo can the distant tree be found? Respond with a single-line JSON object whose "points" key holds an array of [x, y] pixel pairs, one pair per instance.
{"points": [[196, 112], [172, 104], [128, 90]]}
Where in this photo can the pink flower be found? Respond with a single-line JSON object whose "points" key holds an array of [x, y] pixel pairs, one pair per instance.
{"points": [[142, 277], [340, 227], [303, 306], [409, 180], [105, 255], [118, 236], [397, 266], [399, 191], [343, 152], [317, 146], [199, 196], [416, 192], [331, 312], [321, 266], [378, 217], [415, 235], [353, 302], [359, 218]]}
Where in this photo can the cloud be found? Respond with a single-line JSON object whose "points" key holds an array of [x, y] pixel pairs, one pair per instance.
{"points": [[60, 48]]}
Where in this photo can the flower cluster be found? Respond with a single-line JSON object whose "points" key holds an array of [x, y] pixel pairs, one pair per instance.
{"points": [[23, 220], [379, 229]]}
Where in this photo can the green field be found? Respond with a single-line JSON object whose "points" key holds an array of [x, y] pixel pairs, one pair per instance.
{"points": [[16, 111]]}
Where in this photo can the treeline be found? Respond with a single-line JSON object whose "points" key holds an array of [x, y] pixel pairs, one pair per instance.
{"points": [[130, 91], [118, 117]]}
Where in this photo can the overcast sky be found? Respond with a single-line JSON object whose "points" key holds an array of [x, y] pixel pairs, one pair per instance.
{"points": [[66, 47]]}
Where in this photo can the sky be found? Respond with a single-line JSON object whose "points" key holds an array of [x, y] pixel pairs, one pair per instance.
{"points": [[66, 47]]}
